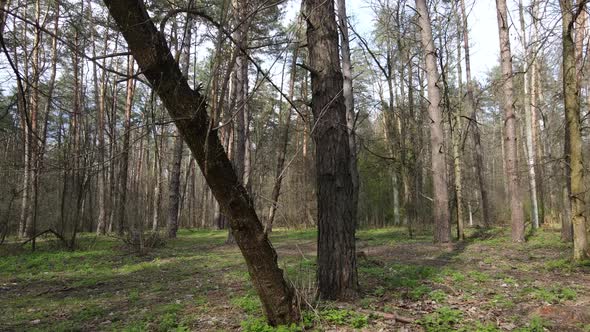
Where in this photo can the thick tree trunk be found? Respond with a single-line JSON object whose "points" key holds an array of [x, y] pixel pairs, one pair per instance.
{"points": [[510, 139], [574, 154], [187, 108], [442, 227], [337, 272]]}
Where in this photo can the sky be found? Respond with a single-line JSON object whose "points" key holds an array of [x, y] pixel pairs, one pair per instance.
{"points": [[482, 21]]}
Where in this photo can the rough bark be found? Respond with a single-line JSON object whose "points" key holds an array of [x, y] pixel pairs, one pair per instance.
{"points": [[337, 271], [188, 109], [442, 227], [510, 138], [574, 154]]}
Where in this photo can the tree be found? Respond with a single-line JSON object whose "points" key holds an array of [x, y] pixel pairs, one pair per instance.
{"points": [[471, 108], [442, 227], [528, 125], [349, 102], [174, 185], [573, 140], [337, 271], [188, 109], [510, 137]]}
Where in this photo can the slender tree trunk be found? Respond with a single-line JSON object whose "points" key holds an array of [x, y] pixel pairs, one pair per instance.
{"points": [[517, 216], [186, 107], [284, 141], [174, 185], [574, 154], [158, 178], [122, 225], [471, 108], [337, 272], [442, 231], [456, 139], [99, 95], [535, 86], [349, 102], [528, 125]]}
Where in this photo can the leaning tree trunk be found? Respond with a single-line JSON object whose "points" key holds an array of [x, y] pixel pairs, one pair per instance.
{"points": [[188, 109], [337, 272], [574, 154], [510, 138], [442, 231]]}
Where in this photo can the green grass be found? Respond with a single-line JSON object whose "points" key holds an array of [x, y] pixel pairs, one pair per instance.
{"points": [[195, 282]]}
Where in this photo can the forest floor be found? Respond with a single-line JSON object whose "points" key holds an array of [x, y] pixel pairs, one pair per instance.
{"points": [[197, 283]]}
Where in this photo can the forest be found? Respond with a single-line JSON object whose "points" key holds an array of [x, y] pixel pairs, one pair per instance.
{"points": [[281, 165]]}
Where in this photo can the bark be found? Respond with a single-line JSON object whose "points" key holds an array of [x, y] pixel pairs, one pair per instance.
{"points": [[188, 109], [337, 271], [517, 216], [528, 125], [573, 151], [442, 231], [174, 187]]}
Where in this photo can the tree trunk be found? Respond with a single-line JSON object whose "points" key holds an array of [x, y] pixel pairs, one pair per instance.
{"points": [[442, 231], [573, 153], [122, 225], [472, 110], [349, 102], [279, 172], [99, 95], [174, 185], [510, 139], [528, 125], [187, 108], [337, 272], [240, 100]]}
